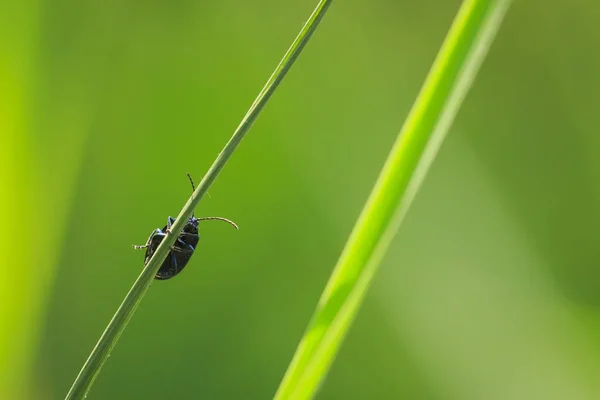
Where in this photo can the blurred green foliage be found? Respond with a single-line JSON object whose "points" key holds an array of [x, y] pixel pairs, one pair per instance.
{"points": [[492, 289]]}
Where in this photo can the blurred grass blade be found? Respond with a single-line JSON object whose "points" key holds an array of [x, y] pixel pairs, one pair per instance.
{"points": [[117, 325], [449, 80], [20, 296]]}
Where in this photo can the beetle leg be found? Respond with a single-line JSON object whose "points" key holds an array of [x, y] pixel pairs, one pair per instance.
{"points": [[185, 251], [170, 223], [188, 234], [187, 248], [174, 261], [155, 233]]}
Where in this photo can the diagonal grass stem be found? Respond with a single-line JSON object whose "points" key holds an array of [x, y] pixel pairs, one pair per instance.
{"points": [[116, 326]]}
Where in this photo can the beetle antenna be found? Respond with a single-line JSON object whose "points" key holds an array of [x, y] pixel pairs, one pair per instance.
{"points": [[192, 182], [219, 219], [193, 187]]}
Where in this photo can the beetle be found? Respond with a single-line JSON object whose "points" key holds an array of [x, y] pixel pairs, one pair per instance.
{"points": [[184, 246]]}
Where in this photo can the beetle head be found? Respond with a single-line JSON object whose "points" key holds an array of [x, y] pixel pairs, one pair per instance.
{"points": [[191, 226]]}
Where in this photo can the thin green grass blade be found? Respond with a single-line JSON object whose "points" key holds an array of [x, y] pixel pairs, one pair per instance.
{"points": [[449, 80], [117, 325], [20, 298]]}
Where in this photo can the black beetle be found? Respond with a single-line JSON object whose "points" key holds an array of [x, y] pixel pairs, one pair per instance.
{"points": [[184, 246]]}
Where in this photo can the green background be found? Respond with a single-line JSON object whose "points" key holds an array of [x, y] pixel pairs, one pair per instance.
{"points": [[491, 289]]}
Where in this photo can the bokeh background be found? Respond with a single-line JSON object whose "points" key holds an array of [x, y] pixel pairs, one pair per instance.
{"points": [[491, 289]]}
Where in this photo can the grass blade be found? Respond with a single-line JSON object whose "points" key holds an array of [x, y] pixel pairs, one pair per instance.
{"points": [[117, 325], [449, 80]]}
